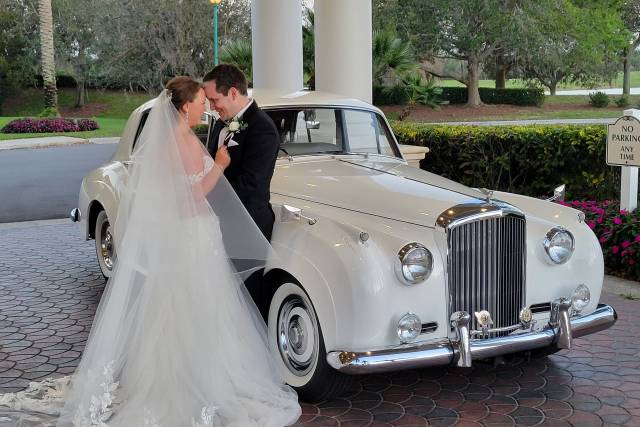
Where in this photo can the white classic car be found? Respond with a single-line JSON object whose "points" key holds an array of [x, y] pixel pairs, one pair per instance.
{"points": [[383, 266]]}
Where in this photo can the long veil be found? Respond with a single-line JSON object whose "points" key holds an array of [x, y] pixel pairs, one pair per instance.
{"points": [[177, 340]]}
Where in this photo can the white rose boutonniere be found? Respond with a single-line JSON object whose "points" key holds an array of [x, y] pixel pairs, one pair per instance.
{"points": [[236, 125]]}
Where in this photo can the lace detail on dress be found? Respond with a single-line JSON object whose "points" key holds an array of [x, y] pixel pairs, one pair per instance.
{"points": [[100, 407], [208, 165]]}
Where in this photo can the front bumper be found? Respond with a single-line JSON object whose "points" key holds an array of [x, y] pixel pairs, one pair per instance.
{"points": [[463, 350]]}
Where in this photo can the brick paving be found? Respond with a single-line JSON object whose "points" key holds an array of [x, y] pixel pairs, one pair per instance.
{"points": [[50, 286]]}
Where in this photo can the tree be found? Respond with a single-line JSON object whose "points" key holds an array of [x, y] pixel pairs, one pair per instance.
{"points": [[576, 43], [238, 52], [392, 58], [631, 19], [468, 30], [19, 59], [47, 55], [308, 48], [75, 38]]}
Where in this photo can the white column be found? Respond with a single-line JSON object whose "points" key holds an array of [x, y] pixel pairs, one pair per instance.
{"points": [[276, 39], [343, 47], [629, 178]]}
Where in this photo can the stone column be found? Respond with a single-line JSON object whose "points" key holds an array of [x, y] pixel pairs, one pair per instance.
{"points": [[343, 44], [276, 39]]}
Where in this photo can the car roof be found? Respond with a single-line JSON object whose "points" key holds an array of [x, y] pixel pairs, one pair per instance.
{"points": [[271, 98]]}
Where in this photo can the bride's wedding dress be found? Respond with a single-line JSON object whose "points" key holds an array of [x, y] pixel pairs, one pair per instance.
{"points": [[176, 340]]}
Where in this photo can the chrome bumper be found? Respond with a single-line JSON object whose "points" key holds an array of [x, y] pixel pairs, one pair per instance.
{"points": [[463, 350]]}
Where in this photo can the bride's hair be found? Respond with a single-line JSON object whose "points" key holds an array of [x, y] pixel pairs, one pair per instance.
{"points": [[182, 89]]}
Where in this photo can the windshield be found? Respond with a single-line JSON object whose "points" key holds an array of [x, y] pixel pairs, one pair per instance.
{"points": [[331, 130]]}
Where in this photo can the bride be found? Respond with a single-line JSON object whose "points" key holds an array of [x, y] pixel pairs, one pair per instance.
{"points": [[176, 340]]}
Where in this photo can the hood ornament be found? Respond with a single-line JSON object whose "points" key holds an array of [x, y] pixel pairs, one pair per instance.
{"points": [[488, 194]]}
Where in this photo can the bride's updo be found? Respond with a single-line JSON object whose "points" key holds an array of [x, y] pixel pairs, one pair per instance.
{"points": [[182, 89]]}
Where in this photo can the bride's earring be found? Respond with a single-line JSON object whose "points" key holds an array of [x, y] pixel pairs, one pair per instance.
{"points": [[187, 115]]}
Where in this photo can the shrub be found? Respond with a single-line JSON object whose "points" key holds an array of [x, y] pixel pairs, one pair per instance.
{"points": [[30, 125], [623, 101], [525, 96], [527, 160], [599, 99], [423, 92], [390, 95], [618, 233]]}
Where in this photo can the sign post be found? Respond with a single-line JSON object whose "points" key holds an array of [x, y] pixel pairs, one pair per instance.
{"points": [[623, 149]]}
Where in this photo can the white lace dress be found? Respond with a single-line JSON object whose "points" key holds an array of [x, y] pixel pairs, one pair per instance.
{"points": [[192, 354]]}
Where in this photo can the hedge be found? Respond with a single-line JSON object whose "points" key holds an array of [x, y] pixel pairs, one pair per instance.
{"points": [[528, 160], [528, 96], [394, 95]]}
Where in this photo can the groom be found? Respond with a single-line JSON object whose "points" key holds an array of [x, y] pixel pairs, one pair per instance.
{"points": [[252, 141]]}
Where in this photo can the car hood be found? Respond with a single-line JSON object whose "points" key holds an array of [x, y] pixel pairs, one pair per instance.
{"points": [[375, 185]]}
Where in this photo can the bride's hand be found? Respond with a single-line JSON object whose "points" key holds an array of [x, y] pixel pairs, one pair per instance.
{"points": [[223, 159]]}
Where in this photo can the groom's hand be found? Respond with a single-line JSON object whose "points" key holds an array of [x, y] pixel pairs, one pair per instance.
{"points": [[223, 159]]}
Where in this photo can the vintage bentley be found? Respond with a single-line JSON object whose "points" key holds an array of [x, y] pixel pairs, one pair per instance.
{"points": [[383, 266]]}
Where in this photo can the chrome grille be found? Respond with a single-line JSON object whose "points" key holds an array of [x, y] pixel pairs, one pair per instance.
{"points": [[486, 268]]}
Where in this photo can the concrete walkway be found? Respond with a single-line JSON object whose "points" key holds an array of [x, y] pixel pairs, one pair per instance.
{"points": [[52, 141], [608, 91], [532, 122]]}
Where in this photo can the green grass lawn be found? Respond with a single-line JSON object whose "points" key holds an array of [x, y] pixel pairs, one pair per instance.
{"points": [[119, 104], [108, 127], [517, 83]]}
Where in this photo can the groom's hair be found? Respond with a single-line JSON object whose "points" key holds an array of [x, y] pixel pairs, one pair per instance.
{"points": [[227, 76]]}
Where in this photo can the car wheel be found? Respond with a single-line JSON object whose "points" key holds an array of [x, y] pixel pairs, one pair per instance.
{"points": [[296, 338], [105, 246]]}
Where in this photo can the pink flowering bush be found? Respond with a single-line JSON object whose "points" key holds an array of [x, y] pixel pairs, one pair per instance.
{"points": [[49, 125], [618, 233]]}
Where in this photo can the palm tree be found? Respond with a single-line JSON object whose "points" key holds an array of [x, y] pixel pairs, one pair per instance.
{"points": [[238, 53], [47, 55], [392, 58]]}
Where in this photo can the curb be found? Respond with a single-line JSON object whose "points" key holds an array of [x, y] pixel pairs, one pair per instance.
{"points": [[34, 223], [52, 141]]}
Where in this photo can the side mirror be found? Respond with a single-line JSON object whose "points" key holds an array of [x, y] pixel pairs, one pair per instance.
{"points": [[290, 214]]}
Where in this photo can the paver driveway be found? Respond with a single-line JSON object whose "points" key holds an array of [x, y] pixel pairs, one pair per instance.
{"points": [[50, 286]]}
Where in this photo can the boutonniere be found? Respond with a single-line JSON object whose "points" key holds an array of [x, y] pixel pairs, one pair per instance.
{"points": [[236, 125]]}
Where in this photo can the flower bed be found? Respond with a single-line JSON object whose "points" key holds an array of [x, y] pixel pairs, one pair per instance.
{"points": [[618, 233], [29, 125]]}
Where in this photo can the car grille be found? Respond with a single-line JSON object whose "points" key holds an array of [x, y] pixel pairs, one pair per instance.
{"points": [[486, 269]]}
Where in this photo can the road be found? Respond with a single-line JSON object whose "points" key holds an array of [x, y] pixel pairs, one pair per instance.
{"points": [[43, 183]]}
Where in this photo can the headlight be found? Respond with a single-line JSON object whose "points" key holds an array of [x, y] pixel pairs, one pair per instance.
{"points": [[414, 264], [580, 298], [409, 327], [559, 244]]}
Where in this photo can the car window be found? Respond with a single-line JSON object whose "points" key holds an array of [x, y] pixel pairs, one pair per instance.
{"points": [[143, 120], [308, 131], [367, 133]]}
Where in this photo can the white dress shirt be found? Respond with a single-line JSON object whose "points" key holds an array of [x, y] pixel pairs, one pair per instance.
{"points": [[225, 130]]}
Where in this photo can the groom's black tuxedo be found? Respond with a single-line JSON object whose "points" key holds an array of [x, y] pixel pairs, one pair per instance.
{"points": [[252, 163]]}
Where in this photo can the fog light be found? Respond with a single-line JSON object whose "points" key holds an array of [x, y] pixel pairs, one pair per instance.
{"points": [[580, 298], [409, 327], [526, 316]]}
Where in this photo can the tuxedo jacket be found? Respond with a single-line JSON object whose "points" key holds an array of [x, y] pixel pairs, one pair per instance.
{"points": [[252, 163]]}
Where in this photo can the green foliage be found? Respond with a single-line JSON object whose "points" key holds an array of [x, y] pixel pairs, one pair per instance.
{"points": [[422, 91], [390, 95], [238, 52], [599, 99], [623, 102], [392, 58], [49, 112], [520, 159], [525, 96], [618, 233]]}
